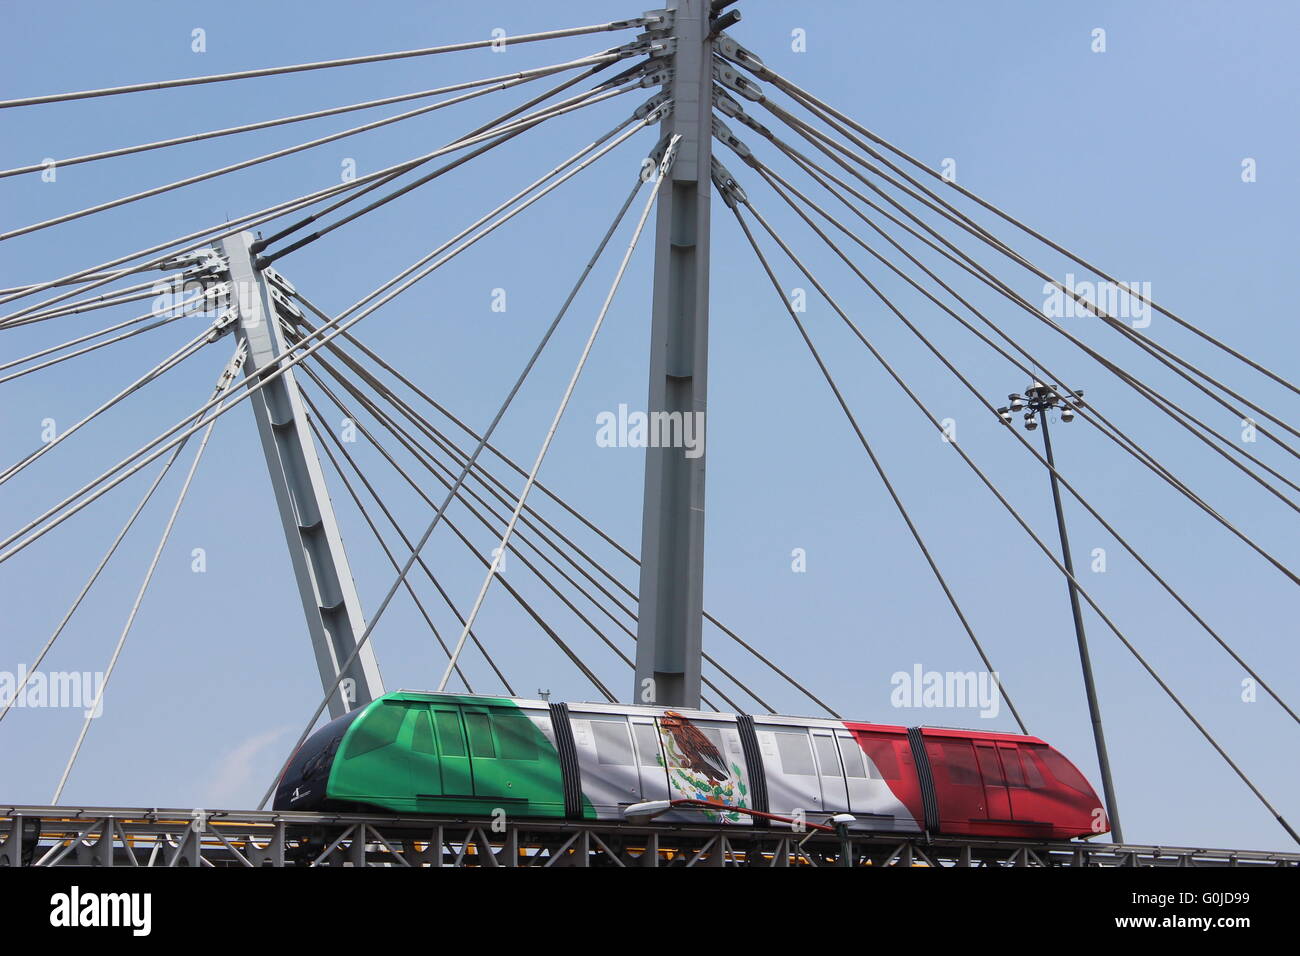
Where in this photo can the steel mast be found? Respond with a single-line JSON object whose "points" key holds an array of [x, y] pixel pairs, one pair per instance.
{"points": [[671, 611], [329, 595]]}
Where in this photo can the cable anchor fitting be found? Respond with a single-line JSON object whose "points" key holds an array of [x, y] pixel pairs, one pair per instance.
{"points": [[655, 108], [731, 191], [729, 107], [227, 376], [223, 325], [660, 20], [723, 134], [200, 264], [727, 47], [725, 74]]}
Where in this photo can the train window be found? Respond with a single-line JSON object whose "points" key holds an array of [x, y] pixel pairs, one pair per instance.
{"points": [[422, 736], [960, 761], [715, 738], [885, 758], [319, 764], [450, 739], [480, 735], [796, 754], [515, 734], [647, 743], [851, 754], [827, 756], [377, 729], [1033, 778], [1063, 770], [990, 767], [613, 745], [1011, 767]]}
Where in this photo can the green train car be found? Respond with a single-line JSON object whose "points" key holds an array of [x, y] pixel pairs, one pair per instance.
{"points": [[411, 752]]}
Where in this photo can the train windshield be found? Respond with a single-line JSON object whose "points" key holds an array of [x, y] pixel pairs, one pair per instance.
{"points": [[303, 783]]}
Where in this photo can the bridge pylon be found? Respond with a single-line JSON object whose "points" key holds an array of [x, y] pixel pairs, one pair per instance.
{"points": [[329, 594], [671, 613]]}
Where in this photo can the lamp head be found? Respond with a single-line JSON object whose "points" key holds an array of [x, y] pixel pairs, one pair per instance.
{"points": [[641, 812]]}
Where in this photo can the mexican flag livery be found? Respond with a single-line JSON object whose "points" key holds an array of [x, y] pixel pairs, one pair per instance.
{"points": [[412, 752]]}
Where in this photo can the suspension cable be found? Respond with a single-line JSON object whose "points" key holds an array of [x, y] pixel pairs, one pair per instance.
{"points": [[131, 293], [1160, 401], [589, 98], [604, 241], [1165, 356], [817, 172], [1047, 551], [312, 421], [232, 227], [1099, 421], [409, 544], [496, 124], [94, 576], [227, 377], [326, 64], [185, 308], [889, 487], [1033, 451], [435, 468], [24, 289], [442, 473], [285, 360], [166, 365], [275, 154], [91, 277], [820, 107], [531, 518], [550, 493], [669, 155], [298, 118], [91, 348]]}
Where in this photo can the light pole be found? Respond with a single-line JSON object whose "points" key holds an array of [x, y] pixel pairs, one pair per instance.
{"points": [[1037, 401]]}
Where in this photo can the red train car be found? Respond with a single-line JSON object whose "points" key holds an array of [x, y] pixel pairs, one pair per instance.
{"points": [[984, 783]]}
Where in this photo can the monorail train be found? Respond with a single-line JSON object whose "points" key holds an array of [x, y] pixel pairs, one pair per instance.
{"points": [[412, 752]]}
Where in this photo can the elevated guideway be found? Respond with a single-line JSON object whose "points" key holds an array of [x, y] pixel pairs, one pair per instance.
{"points": [[45, 836]]}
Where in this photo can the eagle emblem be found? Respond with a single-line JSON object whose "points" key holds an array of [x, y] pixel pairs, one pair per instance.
{"points": [[698, 770]]}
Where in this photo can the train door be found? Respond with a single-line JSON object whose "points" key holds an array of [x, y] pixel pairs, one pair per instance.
{"points": [[650, 759], [997, 797], [835, 795], [491, 772], [957, 782], [610, 778], [857, 775], [1014, 775], [426, 767], [449, 730], [883, 793], [792, 781], [1025, 786]]}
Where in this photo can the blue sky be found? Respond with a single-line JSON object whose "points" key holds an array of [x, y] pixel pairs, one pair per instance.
{"points": [[1132, 157]]}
